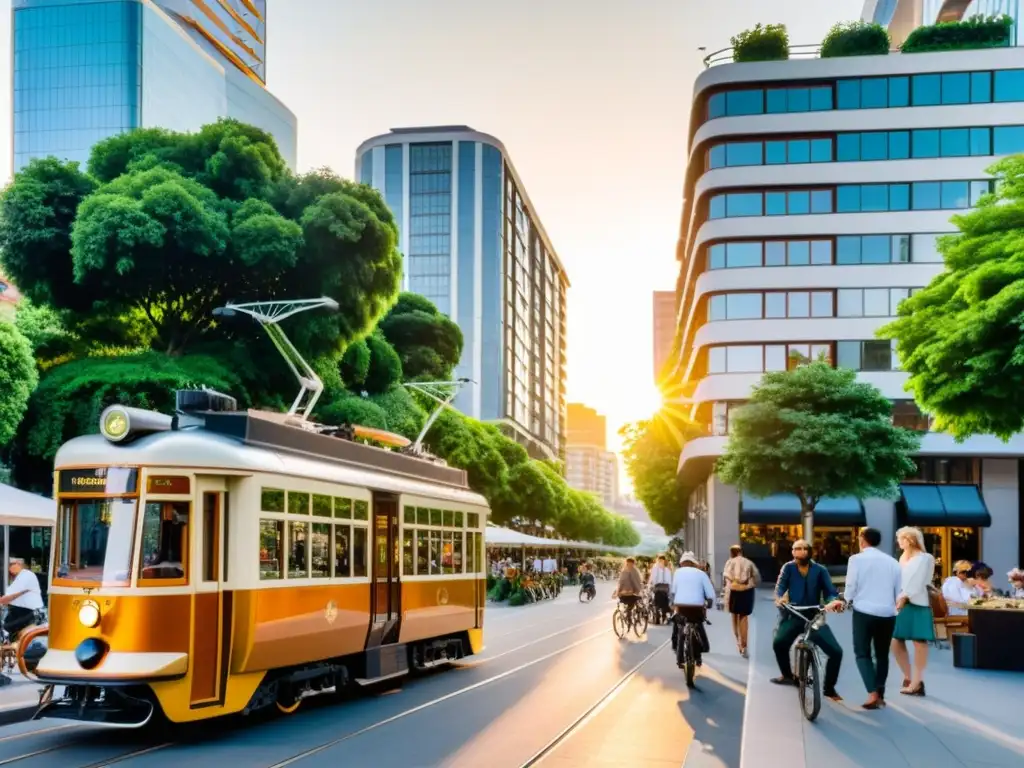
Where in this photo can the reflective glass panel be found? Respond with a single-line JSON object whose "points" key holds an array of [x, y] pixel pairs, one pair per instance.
{"points": [[744, 359], [799, 304], [956, 88], [901, 248], [716, 308], [821, 201], [821, 304], [899, 197], [775, 152], [799, 100], [955, 142], [777, 100], [899, 145], [821, 252], [800, 151], [1008, 140], [1009, 85], [716, 256], [744, 204], [848, 94], [743, 153], [876, 302], [877, 356], [926, 143], [849, 302], [775, 304], [874, 93], [927, 90], [775, 357], [899, 91], [927, 195], [775, 253], [775, 204], [799, 253], [848, 147], [896, 295], [743, 306], [955, 194], [924, 250], [716, 156], [799, 202], [744, 102], [981, 87], [979, 188], [848, 354], [847, 198], [875, 249], [848, 249], [874, 146], [716, 207], [821, 98], [716, 360], [744, 254], [980, 142], [716, 105]]}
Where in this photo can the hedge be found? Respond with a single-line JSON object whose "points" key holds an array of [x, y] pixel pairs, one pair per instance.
{"points": [[762, 43], [975, 32], [855, 38]]}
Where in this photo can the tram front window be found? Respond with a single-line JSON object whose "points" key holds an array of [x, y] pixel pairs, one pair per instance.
{"points": [[164, 541], [94, 540]]}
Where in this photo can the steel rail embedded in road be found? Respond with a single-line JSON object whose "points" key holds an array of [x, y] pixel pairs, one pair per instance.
{"points": [[433, 702], [587, 716]]}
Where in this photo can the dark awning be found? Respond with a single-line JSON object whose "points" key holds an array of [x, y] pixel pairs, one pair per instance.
{"points": [[939, 505], [784, 509]]}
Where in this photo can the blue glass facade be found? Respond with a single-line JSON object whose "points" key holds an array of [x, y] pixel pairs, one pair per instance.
{"points": [[492, 272], [237, 29], [394, 182], [366, 169], [428, 258], [467, 267], [77, 76], [88, 69]]}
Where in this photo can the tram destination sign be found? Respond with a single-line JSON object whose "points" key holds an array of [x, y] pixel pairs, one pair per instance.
{"points": [[105, 480]]}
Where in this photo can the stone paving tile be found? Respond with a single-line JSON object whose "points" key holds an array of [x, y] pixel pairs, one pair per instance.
{"points": [[969, 718]]}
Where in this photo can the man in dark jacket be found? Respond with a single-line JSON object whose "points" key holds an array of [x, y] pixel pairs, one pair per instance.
{"points": [[808, 584]]}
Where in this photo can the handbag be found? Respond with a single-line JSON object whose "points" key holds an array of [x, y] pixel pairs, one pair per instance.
{"points": [[937, 602]]}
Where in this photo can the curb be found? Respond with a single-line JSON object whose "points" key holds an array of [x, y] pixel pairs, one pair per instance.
{"points": [[17, 713]]}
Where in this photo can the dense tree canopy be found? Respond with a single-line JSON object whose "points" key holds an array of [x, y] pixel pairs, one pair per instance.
{"points": [[962, 337], [169, 226], [428, 343], [18, 378], [815, 431], [651, 453]]}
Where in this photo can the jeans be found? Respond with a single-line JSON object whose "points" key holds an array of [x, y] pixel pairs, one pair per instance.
{"points": [[790, 628], [872, 631]]}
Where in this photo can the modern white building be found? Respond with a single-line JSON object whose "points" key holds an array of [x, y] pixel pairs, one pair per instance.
{"points": [[475, 246], [591, 469], [814, 192]]}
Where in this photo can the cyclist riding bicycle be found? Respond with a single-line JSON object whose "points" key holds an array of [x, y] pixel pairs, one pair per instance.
{"points": [[692, 594], [631, 586], [660, 582]]}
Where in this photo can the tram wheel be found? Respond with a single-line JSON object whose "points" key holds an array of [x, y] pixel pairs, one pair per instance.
{"points": [[287, 702]]}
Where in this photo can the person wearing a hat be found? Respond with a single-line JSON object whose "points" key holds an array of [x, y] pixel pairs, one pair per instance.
{"points": [[692, 594]]}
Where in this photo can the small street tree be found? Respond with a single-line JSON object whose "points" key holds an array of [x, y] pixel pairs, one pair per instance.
{"points": [[18, 377], [962, 337], [815, 431]]}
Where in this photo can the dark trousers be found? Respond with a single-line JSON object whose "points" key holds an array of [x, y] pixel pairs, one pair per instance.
{"points": [[789, 630], [872, 632], [693, 614]]}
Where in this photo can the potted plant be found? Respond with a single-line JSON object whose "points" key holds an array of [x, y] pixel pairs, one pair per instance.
{"points": [[855, 38], [762, 43]]}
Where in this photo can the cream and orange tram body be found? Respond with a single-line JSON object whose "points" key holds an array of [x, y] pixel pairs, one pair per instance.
{"points": [[221, 562]]}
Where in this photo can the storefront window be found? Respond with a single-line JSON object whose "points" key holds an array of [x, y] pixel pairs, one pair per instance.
{"points": [[957, 470], [948, 545]]}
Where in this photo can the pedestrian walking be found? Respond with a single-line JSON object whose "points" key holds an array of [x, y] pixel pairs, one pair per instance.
{"points": [[740, 577], [873, 581], [914, 620]]}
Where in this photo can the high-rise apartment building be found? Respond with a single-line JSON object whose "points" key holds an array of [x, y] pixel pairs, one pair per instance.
{"points": [[664, 329], [901, 17], [814, 196], [84, 70], [589, 465], [475, 246]]}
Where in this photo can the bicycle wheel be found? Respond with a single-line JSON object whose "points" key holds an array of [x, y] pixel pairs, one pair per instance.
{"points": [[809, 684], [619, 624], [639, 621], [689, 660]]}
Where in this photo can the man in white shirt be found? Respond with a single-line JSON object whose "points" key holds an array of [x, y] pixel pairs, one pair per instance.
{"points": [[661, 582], [692, 594], [873, 587]]}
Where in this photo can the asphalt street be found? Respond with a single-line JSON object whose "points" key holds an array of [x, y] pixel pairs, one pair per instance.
{"points": [[554, 687]]}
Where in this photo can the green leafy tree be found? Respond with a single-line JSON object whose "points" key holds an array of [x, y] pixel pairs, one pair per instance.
{"points": [[354, 410], [18, 379], [169, 226], [428, 343], [813, 432], [355, 364], [525, 494], [961, 337], [385, 367], [650, 452], [45, 330], [70, 398]]}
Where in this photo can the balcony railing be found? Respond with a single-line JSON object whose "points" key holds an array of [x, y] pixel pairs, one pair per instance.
{"points": [[725, 55]]}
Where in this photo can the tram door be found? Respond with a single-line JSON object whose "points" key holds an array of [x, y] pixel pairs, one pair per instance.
{"points": [[211, 616], [386, 590]]}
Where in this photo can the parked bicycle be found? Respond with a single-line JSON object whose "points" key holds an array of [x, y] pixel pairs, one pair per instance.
{"points": [[629, 616], [807, 663]]}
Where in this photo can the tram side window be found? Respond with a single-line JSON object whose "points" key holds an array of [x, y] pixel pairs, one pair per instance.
{"points": [[408, 550], [342, 551], [164, 541], [320, 551], [298, 550], [359, 551], [272, 500], [271, 540]]}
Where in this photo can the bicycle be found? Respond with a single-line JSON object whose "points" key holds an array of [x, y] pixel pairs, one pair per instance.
{"points": [[588, 591], [688, 638], [806, 660], [627, 617]]}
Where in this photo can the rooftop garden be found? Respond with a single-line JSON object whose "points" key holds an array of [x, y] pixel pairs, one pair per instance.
{"points": [[770, 42]]}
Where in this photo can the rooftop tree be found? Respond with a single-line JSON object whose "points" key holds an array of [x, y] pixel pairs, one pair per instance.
{"points": [[428, 343], [816, 432], [962, 337]]}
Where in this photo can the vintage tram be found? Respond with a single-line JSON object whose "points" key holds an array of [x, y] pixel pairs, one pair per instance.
{"points": [[218, 562]]}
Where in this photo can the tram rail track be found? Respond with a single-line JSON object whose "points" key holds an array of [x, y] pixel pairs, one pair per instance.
{"points": [[472, 664]]}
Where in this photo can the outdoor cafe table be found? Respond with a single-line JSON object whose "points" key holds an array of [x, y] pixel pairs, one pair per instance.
{"points": [[999, 634]]}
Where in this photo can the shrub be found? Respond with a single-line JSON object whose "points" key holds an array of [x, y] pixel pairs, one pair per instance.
{"points": [[975, 32], [762, 43], [855, 38], [517, 598]]}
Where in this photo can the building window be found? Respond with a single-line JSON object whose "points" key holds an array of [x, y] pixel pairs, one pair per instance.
{"points": [[918, 196], [870, 302], [759, 358], [872, 355], [907, 415], [775, 203], [957, 470], [429, 258], [755, 305]]}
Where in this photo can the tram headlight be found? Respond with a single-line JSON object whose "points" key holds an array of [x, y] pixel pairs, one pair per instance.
{"points": [[89, 614], [115, 424]]}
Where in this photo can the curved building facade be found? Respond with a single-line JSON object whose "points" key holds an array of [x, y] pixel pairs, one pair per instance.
{"points": [[814, 194], [84, 70], [475, 246], [901, 17]]}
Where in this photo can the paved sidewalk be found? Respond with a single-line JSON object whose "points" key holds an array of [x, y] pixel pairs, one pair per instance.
{"points": [[19, 699], [970, 718]]}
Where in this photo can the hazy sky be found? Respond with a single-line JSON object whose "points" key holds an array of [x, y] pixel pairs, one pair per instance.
{"points": [[591, 99]]}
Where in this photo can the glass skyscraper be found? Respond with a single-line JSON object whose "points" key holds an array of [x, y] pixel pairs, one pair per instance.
{"points": [[902, 16], [475, 247], [84, 70]]}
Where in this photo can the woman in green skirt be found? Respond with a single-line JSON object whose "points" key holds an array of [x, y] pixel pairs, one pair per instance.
{"points": [[914, 620]]}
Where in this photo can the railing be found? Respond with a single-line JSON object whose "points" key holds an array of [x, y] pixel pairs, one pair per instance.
{"points": [[725, 56]]}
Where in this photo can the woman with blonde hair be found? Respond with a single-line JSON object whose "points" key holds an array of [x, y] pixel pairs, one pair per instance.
{"points": [[914, 620]]}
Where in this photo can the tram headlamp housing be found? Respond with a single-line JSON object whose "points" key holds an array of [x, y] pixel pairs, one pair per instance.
{"points": [[115, 424], [89, 614]]}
